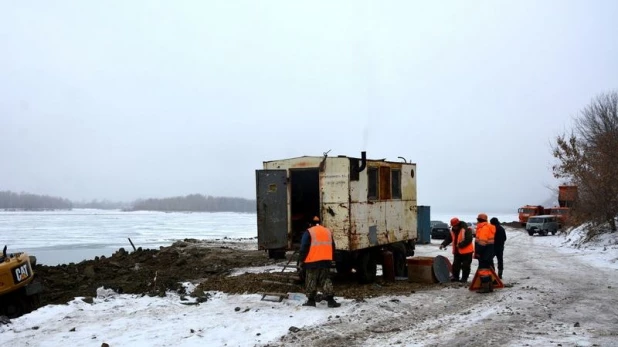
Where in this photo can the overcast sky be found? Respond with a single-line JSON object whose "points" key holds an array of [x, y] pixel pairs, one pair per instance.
{"points": [[129, 99]]}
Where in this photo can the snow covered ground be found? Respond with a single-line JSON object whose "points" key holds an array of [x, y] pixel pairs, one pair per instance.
{"points": [[557, 294]]}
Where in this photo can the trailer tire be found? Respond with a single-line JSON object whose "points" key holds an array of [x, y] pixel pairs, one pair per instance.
{"points": [[276, 254], [367, 267], [344, 267]]}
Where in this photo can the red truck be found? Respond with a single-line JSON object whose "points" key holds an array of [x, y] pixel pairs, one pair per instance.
{"points": [[567, 195], [528, 211], [566, 199]]}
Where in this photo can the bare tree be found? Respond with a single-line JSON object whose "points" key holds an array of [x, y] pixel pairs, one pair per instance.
{"points": [[588, 157]]}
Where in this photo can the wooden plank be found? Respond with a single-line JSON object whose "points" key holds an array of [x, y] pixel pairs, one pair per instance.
{"points": [[277, 282], [279, 296]]}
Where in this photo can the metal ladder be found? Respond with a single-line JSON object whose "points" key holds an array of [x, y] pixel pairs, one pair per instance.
{"points": [[280, 296]]}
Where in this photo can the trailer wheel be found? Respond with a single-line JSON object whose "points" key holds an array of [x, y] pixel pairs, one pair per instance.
{"points": [[367, 267], [531, 233], [276, 254], [343, 267]]}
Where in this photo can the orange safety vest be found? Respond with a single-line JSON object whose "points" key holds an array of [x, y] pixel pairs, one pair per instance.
{"points": [[485, 233], [462, 235], [321, 244]]}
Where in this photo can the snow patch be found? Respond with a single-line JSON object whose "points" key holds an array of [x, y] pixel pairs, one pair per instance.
{"points": [[586, 236], [104, 293]]}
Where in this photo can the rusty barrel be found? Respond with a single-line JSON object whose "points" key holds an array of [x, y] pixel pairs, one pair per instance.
{"points": [[420, 269], [388, 266]]}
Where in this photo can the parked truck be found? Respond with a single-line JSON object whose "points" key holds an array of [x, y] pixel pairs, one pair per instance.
{"points": [[567, 195], [369, 205], [527, 211]]}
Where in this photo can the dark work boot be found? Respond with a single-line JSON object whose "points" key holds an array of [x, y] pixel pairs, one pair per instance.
{"points": [[500, 273], [464, 276], [485, 285], [332, 302], [310, 301]]}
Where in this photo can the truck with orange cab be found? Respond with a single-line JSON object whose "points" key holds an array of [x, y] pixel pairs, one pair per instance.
{"points": [[528, 211]]}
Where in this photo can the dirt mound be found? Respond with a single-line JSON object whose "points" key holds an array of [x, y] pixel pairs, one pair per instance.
{"points": [[144, 271], [153, 272]]}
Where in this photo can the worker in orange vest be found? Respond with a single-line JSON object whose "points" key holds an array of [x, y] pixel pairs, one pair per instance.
{"points": [[463, 248], [317, 251], [484, 251]]}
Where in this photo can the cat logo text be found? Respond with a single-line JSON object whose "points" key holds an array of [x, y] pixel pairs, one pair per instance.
{"points": [[21, 273]]}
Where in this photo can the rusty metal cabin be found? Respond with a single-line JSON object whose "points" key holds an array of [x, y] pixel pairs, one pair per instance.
{"points": [[365, 203]]}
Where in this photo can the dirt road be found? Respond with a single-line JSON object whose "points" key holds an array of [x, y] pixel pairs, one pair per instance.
{"points": [[557, 298]]}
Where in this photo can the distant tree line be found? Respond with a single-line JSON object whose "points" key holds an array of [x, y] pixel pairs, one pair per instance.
{"points": [[26, 201], [190, 203], [101, 204], [196, 203]]}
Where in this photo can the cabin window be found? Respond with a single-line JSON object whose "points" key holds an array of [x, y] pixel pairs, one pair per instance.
{"points": [[396, 184], [372, 183], [385, 183]]}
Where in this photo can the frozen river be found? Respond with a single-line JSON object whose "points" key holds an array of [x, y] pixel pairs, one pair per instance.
{"points": [[58, 237]]}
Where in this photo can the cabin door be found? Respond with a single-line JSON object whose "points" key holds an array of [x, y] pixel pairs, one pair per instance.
{"points": [[272, 208]]}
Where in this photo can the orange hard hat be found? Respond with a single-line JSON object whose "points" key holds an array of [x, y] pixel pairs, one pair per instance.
{"points": [[482, 216], [316, 219], [454, 221]]}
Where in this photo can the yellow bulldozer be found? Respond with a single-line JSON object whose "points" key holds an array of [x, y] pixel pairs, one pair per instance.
{"points": [[19, 288]]}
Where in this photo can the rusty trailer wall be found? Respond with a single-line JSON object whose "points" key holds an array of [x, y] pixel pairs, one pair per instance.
{"points": [[363, 209], [380, 214]]}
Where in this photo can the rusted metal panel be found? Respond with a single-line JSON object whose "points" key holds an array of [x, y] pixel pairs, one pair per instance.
{"points": [[334, 192], [408, 182], [334, 187], [396, 227], [293, 163], [272, 208], [410, 217], [366, 217], [336, 218]]}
